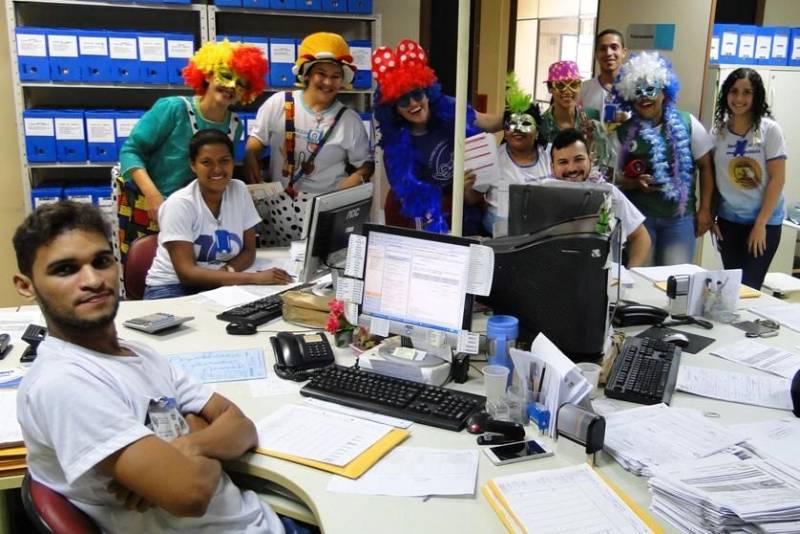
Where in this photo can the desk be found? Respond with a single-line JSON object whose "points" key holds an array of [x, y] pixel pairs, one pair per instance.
{"points": [[338, 513]]}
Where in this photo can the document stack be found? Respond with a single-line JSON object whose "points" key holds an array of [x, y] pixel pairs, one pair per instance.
{"points": [[728, 493], [12, 450], [644, 438]]}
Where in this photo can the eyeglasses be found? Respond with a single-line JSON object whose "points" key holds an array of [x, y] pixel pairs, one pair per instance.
{"points": [[646, 91], [562, 87], [416, 95]]}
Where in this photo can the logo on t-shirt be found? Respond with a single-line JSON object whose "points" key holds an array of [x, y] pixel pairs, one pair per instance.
{"points": [[440, 163], [743, 172], [220, 244]]}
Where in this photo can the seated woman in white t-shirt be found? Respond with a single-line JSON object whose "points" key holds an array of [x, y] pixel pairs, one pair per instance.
{"points": [[207, 236]]}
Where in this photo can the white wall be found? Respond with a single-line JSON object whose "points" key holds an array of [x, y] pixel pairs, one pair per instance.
{"points": [[692, 19], [782, 13], [399, 20]]}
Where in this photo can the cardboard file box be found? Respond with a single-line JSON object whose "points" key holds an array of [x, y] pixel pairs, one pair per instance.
{"points": [[93, 53], [152, 58], [282, 5], [180, 47], [228, 3], [728, 43], [359, 6], [781, 43], [82, 194], [70, 135], [334, 6], [794, 48], [764, 46], [40, 135], [308, 5], [34, 64], [62, 48], [256, 4], [45, 195], [101, 141], [123, 51], [746, 54], [124, 121], [362, 57], [282, 55]]}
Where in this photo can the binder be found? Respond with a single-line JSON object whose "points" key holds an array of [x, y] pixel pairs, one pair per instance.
{"points": [[70, 135], [101, 142], [62, 47], [794, 48], [781, 39], [362, 58], [34, 64], [334, 6], [124, 121], [82, 194], [180, 47], [40, 135], [256, 4], [308, 5], [728, 43], [152, 57], [713, 54], [282, 55], [93, 53], [282, 5], [45, 195], [360, 6], [123, 52], [228, 3], [763, 53], [263, 44], [746, 54]]}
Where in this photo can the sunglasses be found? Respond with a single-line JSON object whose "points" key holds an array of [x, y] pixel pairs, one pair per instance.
{"points": [[561, 87], [649, 91], [416, 95]]}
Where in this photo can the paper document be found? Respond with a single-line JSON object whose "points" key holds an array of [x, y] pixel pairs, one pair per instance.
{"points": [[621, 274], [10, 431], [776, 439], [263, 264], [786, 314], [547, 502], [317, 434], [222, 365], [757, 390], [415, 472], [468, 342], [355, 412], [759, 356], [356, 252], [271, 386], [11, 378], [379, 326], [349, 289], [481, 270], [659, 274], [480, 157]]}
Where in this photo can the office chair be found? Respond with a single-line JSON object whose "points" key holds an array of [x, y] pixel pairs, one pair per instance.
{"points": [[51, 512], [140, 258]]}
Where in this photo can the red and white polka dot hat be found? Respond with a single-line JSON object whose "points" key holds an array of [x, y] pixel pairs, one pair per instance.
{"points": [[401, 70]]}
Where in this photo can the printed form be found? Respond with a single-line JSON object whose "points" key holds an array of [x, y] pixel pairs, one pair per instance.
{"points": [[759, 356], [757, 390]]}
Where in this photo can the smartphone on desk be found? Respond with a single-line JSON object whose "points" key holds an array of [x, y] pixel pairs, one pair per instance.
{"points": [[517, 452]]}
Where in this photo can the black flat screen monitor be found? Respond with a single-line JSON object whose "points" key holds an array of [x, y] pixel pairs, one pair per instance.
{"points": [[534, 207]]}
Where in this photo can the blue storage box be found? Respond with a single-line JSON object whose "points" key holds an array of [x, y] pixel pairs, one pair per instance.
{"points": [[781, 42], [334, 6], [362, 58], [40, 135], [228, 3], [746, 54], [180, 47], [263, 44], [34, 65], [256, 4], [93, 52], [359, 6], [282, 55], [124, 121], [45, 195], [70, 135], [713, 53], [101, 141], [81, 194], [308, 5], [282, 5], [62, 49], [123, 51], [152, 57], [764, 46], [794, 48], [103, 200], [728, 43]]}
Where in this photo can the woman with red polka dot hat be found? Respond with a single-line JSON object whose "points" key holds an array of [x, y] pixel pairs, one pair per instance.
{"points": [[416, 123]]}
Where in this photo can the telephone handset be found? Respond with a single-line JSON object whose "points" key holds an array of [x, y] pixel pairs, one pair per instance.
{"points": [[637, 314], [296, 355]]}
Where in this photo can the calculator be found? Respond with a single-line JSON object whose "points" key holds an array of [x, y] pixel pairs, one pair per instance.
{"points": [[156, 322]]}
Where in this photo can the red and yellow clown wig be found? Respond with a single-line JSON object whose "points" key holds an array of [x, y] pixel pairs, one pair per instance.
{"points": [[401, 70], [228, 62], [323, 47]]}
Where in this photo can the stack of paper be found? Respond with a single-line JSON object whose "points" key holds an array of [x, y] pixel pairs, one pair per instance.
{"points": [[758, 390], [222, 365], [12, 451], [786, 314], [727, 493], [547, 371], [773, 440], [574, 499], [759, 356], [644, 438], [660, 274], [334, 442]]}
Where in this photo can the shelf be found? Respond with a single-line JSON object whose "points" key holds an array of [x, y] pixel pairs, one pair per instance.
{"points": [[170, 7], [79, 85], [289, 13], [76, 165]]}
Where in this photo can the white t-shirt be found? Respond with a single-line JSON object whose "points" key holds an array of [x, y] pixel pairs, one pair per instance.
{"points": [[594, 95], [348, 142], [741, 171], [184, 216], [512, 173], [76, 407], [629, 216]]}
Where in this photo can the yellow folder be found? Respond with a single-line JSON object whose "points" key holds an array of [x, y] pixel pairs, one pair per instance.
{"points": [[10, 452], [359, 465], [745, 292]]}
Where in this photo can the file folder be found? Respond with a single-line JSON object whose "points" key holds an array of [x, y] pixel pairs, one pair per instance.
{"points": [[359, 6], [728, 43], [362, 58], [104, 200], [152, 57], [180, 47], [263, 44], [228, 3], [123, 51], [781, 40], [763, 53], [45, 195], [93, 53], [747, 45], [34, 64], [101, 141], [308, 5], [82, 194], [282, 55], [713, 53], [794, 48], [70, 135], [62, 47], [256, 4], [282, 5], [40, 135], [124, 121], [334, 6]]}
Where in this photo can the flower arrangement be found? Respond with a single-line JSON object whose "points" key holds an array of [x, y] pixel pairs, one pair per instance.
{"points": [[344, 332]]}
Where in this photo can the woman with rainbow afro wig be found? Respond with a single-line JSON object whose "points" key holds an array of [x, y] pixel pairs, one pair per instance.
{"points": [[416, 123], [659, 149]]}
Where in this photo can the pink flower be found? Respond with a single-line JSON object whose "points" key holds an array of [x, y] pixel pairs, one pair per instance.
{"points": [[337, 307], [332, 324]]}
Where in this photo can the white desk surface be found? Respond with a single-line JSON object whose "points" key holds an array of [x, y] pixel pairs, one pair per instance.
{"points": [[338, 513]]}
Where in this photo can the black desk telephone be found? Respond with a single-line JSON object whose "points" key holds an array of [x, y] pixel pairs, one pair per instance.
{"points": [[296, 355], [635, 314]]}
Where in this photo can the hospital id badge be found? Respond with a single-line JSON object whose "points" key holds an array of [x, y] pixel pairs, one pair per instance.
{"points": [[164, 419]]}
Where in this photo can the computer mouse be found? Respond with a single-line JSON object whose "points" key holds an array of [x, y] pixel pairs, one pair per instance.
{"points": [[476, 422], [241, 329], [676, 338]]}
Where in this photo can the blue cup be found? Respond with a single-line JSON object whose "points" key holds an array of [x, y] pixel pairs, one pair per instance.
{"points": [[502, 332]]}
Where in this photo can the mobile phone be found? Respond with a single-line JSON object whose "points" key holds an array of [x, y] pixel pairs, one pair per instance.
{"points": [[517, 452]]}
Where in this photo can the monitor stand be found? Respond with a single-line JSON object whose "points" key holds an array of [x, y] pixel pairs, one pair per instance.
{"points": [[426, 366]]}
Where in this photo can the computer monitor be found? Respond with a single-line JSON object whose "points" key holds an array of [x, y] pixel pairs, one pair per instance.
{"points": [[534, 207], [332, 218], [418, 282]]}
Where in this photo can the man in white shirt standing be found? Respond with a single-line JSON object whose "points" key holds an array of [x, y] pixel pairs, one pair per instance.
{"points": [[571, 161], [610, 53], [127, 438]]}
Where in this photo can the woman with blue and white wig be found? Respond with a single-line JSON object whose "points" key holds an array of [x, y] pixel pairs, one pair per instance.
{"points": [[660, 149]]}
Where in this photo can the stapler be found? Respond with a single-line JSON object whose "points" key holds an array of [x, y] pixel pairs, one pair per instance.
{"points": [[494, 432]]}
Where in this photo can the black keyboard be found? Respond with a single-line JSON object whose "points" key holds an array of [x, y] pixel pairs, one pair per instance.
{"points": [[645, 371], [396, 397], [255, 313]]}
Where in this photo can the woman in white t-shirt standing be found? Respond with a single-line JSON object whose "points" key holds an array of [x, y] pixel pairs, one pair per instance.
{"points": [[750, 167], [207, 236]]}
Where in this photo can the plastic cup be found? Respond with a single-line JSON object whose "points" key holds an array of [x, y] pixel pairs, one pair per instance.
{"points": [[495, 378], [591, 371]]}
